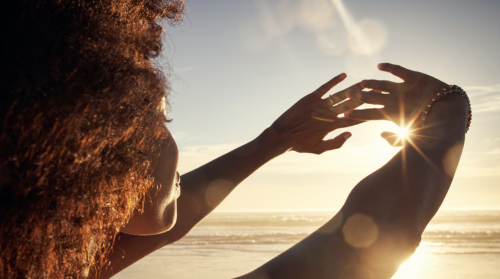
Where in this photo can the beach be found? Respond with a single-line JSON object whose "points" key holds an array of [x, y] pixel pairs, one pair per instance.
{"points": [[456, 244]]}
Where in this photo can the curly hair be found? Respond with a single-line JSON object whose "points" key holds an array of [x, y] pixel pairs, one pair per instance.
{"points": [[79, 109]]}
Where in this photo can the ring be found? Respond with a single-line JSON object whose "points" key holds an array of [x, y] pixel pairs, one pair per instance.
{"points": [[330, 100]]}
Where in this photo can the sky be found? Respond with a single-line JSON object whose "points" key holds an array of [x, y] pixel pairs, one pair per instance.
{"points": [[236, 65]]}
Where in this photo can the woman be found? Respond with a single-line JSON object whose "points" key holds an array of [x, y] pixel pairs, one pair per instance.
{"points": [[380, 224], [85, 145], [80, 109]]}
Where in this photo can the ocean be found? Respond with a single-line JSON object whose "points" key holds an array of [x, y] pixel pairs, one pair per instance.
{"points": [[456, 244]]}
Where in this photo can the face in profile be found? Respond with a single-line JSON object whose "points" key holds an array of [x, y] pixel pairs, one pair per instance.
{"points": [[167, 175], [158, 214]]}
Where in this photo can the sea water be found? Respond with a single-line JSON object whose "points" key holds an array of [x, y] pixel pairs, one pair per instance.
{"points": [[456, 244]]}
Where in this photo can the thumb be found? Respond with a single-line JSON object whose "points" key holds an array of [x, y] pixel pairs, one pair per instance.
{"points": [[392, 139], [334, 143]]}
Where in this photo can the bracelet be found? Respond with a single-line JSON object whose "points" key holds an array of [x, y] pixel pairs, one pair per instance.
{"points": [[445, 91]]}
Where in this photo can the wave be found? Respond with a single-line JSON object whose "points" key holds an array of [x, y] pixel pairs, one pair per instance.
{"points": [[448, 233], [266, 220], [465, 219]]}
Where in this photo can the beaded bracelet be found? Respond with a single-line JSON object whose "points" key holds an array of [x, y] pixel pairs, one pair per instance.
{"points": [[445, 91]]}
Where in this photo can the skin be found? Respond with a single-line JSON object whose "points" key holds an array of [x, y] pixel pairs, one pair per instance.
{"points": [[159, 212], [382, 220], [302, 128], [380, 224]]}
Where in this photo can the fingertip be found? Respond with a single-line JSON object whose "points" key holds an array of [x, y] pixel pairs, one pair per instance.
{"points": [[381, 66], [342, 76], [346, 114], [347, 136]]}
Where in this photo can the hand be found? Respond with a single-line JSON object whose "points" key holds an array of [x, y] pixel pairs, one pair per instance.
{"points": [[393, 139], [403, 102], [303, 127]]}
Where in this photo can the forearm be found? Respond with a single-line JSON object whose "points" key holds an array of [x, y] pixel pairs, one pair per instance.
{"points": [[301, 128], [203, 189], [402, 197], [382, 220], [414, 183]]}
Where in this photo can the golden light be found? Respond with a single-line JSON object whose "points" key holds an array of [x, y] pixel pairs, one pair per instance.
{"points": [[396, 135], [403, 133], [413, 267], [360, 231]]}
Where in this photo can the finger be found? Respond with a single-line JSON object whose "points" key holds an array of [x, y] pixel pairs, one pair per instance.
{"points": [[392, 139], [369, 97], [330, 113], [367, 114], [331, 144], [345, 106], [381, 85], [341, 95], [396, 70], [329, 85], [342, 123]]}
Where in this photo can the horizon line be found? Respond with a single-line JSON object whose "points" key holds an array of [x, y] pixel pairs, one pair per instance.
{"points": [[334, 210]]}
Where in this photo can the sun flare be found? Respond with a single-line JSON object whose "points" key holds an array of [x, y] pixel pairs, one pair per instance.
{"points": [[402, 133], [413, 267]]}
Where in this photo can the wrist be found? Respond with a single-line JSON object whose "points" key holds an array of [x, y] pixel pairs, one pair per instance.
{"points": [[445, 124], [452, 107], [457, 105], [274, 142]]}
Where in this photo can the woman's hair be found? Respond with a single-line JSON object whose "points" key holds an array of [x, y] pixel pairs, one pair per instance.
{"points": [[79, 109]]}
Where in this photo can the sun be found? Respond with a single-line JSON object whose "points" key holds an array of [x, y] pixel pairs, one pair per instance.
{"points": [[414, 266], [403, 133]]}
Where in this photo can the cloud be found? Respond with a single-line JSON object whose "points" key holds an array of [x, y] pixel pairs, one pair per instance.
{"points": [[485, 166], [481, 90], [487, 104], [484, 98], [336, 30], [495, 151], [479, 164]]}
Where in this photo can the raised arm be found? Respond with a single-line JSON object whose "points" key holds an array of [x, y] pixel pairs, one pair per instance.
{"points": [[301, 128], [381, 223]]}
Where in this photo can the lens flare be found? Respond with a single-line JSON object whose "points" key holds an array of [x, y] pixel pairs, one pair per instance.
{"points": [[366, 37], [315, 14], [369, 37], [332, 41], [403, 133], [412, 267], [257, 33], [360, 231]]}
